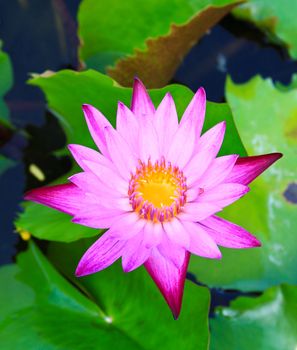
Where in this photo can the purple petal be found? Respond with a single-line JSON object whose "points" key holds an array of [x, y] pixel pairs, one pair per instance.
{"points": [[229, 235], [200, 242], [148, 144], [135, 253], [176, 232], [169, 279], [246, 169], [67, 198], [196, 111], [105, 251], [96, 124], [141, 103], [171, 251], [127, 226]]}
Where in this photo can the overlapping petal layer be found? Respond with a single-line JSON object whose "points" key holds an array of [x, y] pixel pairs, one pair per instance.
{"points": [[156, 185]]}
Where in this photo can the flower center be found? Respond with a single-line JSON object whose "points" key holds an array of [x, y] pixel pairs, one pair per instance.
{"points": [[157, 191]]}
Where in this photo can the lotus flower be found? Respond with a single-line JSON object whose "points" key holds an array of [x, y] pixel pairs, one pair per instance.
{"points": [[156, 186]]}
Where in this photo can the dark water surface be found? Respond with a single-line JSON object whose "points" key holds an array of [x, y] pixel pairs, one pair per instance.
{"points": [[40, 35]]}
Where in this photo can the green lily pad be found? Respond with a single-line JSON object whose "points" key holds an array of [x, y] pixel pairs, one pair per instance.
{"points": [[148, 40], [66, 91], [266, 118], [5, 84], [277, 18], [266, 322], [39, 309]]}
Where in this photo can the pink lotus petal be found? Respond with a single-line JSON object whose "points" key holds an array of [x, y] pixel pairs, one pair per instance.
{"points": [[127, 226], [166, 122], [148, 142], [127, 126], [223, 194], [109, 177], [229, 235], [181, 149], [217, 172], [67, 198], [195, 211], [201, 243], [90, 183], [141, 103], [172, 251], [177, 233], [206, 150], [247, 169], [196, 111], [120, 153], [97, 216], [135, 253], [169, 279], [104, 252], [152, 234], [96, 124], [82, 153]]}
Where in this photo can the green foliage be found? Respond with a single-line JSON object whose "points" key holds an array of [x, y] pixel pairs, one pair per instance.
{"points": [[277, 18], [5, 84], [148, 40], [266, 119], [66, 91], [266, 322], [40, 309]]}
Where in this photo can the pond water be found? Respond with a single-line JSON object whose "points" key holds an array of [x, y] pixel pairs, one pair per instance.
{"points": [[40, 35]]}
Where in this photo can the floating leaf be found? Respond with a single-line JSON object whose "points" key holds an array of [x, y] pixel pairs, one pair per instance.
{"points": [[277, 18], [66, 91], [148, 40], [266, 322], [5, 84], [267, 122], [39, 309]]}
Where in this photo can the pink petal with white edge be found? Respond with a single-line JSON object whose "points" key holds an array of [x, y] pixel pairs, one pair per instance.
{"points": [[166, 123], [96, 124], [120, 153], [196, 111], [127, 226], [135, 253], [218, 171], [104, 252], [169, 279], [229, 235], [223, 194], [247, 169], [141, 103], [195, 211], [67, 198], [182, 146], [206, 150], [201, 243], [176, 232], [127, 126]]}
